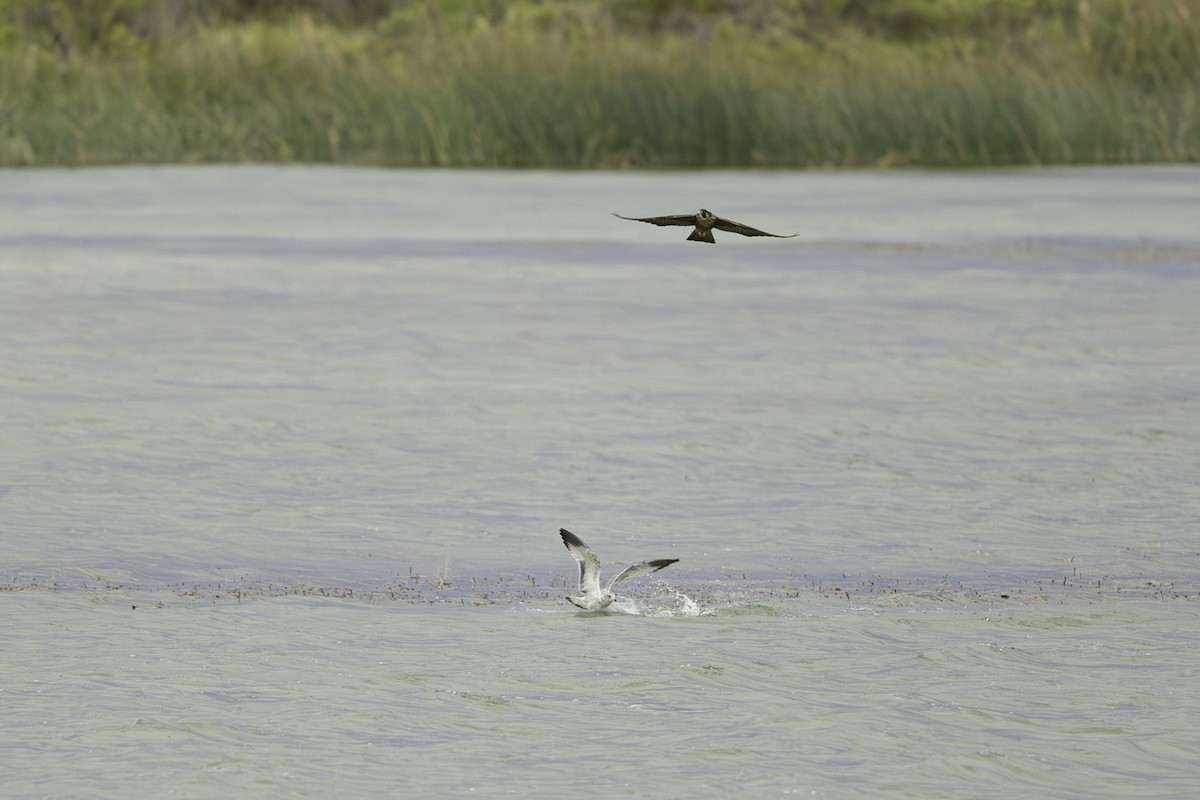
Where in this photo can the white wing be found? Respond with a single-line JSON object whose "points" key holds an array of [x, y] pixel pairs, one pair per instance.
{"points": [[643, 568], [589, 564]]}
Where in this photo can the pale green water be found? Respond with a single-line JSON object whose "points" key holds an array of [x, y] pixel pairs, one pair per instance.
{"points": [[285, 452], [311, 698]]}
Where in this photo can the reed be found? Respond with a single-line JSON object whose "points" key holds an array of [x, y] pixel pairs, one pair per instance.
{"points": [[540, 87]]}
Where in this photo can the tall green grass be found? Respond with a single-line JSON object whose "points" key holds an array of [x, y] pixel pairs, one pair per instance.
{"points": [[543, 88]]}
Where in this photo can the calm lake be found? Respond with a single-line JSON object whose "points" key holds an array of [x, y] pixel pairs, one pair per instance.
{"points": [[285, 453]]}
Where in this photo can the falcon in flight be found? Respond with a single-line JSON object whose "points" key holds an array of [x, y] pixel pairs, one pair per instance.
{"points": [[704, 221]]}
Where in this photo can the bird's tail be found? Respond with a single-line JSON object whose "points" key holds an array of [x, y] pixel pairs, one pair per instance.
{"points": [[702, 236]]}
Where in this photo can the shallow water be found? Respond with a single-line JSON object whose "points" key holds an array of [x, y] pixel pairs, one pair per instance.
{"points": [[286, 451]]}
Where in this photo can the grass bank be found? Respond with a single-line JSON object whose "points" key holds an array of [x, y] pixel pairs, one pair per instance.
{"points": [[641, 83]]}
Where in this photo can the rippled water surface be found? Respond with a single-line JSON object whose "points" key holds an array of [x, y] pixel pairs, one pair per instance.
{"points": [[285, 453]]}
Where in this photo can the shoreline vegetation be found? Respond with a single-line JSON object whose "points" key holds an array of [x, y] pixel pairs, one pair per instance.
{"points": [[580, 84]]}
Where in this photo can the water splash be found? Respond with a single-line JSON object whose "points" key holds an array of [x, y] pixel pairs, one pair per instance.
{"points": [[666, 603]]}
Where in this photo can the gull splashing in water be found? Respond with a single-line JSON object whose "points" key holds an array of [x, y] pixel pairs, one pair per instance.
{"points": [[591, 597]]}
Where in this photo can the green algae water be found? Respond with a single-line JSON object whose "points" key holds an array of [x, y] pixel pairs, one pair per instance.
{"points": [[286, 451]]}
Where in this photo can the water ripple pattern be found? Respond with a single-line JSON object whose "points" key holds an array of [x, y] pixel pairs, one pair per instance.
{"points": [[286, 451]]}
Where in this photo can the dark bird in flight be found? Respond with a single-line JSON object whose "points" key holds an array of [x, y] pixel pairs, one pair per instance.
{"points": [[704, 221]]}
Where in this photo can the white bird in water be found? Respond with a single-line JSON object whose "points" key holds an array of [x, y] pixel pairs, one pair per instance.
{"points": [[591, 597]]}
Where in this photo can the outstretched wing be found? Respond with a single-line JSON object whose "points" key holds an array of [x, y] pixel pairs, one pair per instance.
{"points": [[642, 569], [745, 230], [675, 219], [589, 564]]}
